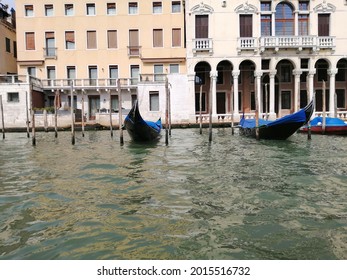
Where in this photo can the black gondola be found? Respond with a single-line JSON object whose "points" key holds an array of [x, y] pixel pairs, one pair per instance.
{"points": [[279, 129], [139, 129]]}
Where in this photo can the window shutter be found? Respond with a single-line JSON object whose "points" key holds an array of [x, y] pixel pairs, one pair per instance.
{"points": [[176, 37], [91, 39], [112, 39], [30, 40], [157, 38]]}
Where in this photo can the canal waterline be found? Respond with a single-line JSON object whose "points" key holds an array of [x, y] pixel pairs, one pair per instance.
{"points": [[233, 198]]}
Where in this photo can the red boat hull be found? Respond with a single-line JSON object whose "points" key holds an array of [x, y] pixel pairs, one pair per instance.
{"points": [[329, 130]]}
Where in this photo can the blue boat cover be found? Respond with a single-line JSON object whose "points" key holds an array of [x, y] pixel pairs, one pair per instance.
{"points": [[328, 121], [299, 116], [155, 125]]}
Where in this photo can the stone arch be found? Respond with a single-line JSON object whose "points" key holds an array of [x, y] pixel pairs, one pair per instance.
{"points": [[202, 71]]}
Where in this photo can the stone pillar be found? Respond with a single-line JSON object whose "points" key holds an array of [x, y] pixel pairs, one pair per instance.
{"points": [[310, 84], [191, 92], [236, 94], [296, 74], [213, 76], [332, 105], [272, 94], [257, 75]]}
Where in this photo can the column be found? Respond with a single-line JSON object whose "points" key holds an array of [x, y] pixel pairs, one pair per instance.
{"points": [[272, 94], [213, 76], [257, 76], [296, 74], [332, 105], [310, 84], [236, 94]]}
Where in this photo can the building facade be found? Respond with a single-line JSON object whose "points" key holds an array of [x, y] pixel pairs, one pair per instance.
{"points": [[8, 45], [278, 53], [91, 46]]}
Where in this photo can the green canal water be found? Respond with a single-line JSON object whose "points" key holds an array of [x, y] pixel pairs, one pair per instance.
{"points": [[234, 198]]}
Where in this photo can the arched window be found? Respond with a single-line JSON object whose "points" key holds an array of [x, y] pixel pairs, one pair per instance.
{"points": [[284, 19]]}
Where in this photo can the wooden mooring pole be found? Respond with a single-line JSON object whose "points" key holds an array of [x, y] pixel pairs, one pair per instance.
{"points": [[308, 100], [111, 130], [121, 139], [27, 114], [167, 112], [2, 118], [232, 109], [324, 109], [210, 112], [256, 110], [33, 131], [45, 120], [83, 124], [56, 113], [200, 109], [72, 118]]}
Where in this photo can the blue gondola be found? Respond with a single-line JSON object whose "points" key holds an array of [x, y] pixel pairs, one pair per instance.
{"points": [[279, 129], [139, 129]]}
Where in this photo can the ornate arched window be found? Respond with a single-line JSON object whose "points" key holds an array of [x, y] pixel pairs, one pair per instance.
{"points": [[284, 19]]}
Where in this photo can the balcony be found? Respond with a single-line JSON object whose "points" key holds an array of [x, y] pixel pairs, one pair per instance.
{"points": [[202, 45], [50, 53], [314, 43], [247, 43]]}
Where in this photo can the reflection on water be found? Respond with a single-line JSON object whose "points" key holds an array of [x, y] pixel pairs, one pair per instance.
{"points": [[235, 198]]}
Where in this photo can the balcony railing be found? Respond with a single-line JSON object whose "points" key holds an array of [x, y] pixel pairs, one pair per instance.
{"points": [[50, 53], [315, 43], [247, 43], [51, 84], [202, 45]]}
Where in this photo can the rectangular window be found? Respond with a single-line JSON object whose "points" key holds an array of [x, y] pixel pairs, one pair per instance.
{"points": [[157, 8], [69, 10], [91, 9], [135, 73], [266, 25], [93, 75], [71, 72], [112, 39], [154, 101], [29, 10], [157, 38], [113, 74], [176, 6], [12, 97], [30, 40], [91, 39], [115, 103], [303, 24], [70, 40], [134, 48], [50, 44], [133, 8], [323, 24], [15, 49], [51, 72], [111, 8], [265, 6], [176, 37], [8, 45], [304, 5], [285, 100], [31, 71], [158, 72], [246, 29], [49, 10], [174, 68], [201, 26]]}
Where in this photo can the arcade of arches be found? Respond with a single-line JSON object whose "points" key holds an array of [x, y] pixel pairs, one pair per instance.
{"points": [[283, 89]]}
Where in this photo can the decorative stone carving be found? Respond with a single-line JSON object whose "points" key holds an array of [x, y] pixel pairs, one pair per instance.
{"points": [[202, 9], [325, 8], [246, 9]]}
